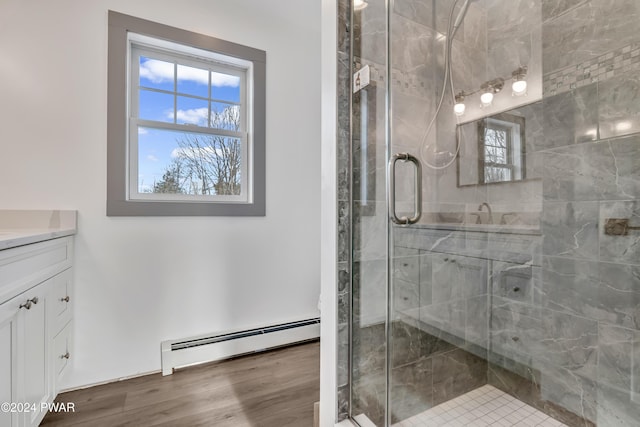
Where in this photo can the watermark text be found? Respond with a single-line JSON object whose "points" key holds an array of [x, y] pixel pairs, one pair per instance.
{"points": [[23, 407]]}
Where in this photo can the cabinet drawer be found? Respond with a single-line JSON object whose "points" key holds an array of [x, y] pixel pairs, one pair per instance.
{"points": [[62, 300], [24, 267], [61, 354]]}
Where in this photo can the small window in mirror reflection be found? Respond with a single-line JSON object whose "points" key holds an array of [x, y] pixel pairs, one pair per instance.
{"points": [[501, 149]]}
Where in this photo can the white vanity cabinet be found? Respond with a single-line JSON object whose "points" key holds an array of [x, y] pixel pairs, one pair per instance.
{"points": [[35, 317]]}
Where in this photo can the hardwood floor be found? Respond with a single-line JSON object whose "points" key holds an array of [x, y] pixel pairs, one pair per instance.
{"points": [[276, 388]]}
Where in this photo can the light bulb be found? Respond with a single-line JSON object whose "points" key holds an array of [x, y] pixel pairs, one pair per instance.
{"points": [[459, 106], [486, 99], [359, 4], [519, 87]]}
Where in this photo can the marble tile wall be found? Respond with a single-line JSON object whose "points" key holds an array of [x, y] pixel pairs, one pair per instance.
{"points": [[586, 300], [514, 36], [579, 31]]}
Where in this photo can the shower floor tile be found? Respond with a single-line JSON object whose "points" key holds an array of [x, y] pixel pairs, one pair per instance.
{"points": [[484, 406]]}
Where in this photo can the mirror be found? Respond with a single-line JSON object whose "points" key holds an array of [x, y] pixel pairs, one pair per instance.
{"points": [[493, 149]]}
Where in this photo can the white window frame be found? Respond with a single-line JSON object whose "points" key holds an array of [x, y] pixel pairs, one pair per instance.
{"points": [[141, 37], [140, 45]]}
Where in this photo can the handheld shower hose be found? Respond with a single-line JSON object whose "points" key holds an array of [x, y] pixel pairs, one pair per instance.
{"points": [[448, 78]]}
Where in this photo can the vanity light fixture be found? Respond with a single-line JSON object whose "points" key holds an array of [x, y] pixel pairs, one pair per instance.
{"points": [[490, 88], [359, 4], [459, 106], [519, 85]]}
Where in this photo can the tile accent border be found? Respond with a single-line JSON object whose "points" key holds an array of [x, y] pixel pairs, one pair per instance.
{"points": [[601, 68], [408, 83]]}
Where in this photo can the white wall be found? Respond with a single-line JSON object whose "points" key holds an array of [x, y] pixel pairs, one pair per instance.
{"points": [[143, 280], [329, 220]]}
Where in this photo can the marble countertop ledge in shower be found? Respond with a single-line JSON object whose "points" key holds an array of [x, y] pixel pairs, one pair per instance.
{"points": [[23, 227], [483, 228], [506, 222]]}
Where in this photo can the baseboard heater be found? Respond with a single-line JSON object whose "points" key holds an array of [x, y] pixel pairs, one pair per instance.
{"points": [[209, 348]]}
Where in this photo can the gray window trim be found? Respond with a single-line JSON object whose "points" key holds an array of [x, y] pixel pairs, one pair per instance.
{"points": [[117, 163]]}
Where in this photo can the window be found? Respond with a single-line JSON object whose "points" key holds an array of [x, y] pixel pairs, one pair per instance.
{"points": [[186, 123], [501, 143]]}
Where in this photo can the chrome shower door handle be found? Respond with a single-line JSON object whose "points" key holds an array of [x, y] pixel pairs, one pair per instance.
{"points": [[391, 189]]}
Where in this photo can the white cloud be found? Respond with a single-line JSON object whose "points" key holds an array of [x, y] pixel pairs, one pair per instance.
{"points": [[197, 75], [219, 79], [196, 116], [152, 158], [142, 131], [156, 71], [161, 72]]}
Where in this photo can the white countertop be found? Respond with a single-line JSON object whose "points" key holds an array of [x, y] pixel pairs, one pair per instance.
{"points": [[23, 227]]}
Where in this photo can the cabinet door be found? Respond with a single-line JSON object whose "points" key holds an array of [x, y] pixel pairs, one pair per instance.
{"points": [[33, 351], [8, 362], [459, 298]]}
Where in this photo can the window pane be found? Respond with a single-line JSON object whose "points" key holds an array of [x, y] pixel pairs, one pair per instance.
{"points": [[490, 136], [155, 106], [495, 137], [496, 174], [156, 74], [193, 81], [489, 151], [225, 87], [225, 116], [501, 139], [192, 111], [492, 174], [495, 155], [188, 163]]}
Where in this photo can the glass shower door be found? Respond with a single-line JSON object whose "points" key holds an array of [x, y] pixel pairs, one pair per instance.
{"points": [[413, 293], [386, 184], [369, 211], [440, 275]]}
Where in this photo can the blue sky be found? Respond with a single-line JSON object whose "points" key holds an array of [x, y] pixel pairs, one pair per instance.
{"points": [[156, 148]]}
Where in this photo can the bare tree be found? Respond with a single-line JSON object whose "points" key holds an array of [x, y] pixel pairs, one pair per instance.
{"points": [[171, 180], [208, 164]]}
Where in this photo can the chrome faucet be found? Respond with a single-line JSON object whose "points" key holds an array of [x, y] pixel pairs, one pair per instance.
{"points": [[483, 204]]}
